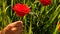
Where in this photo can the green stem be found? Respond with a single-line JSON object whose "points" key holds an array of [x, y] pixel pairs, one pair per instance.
{"points": [[24, 19], [55, 30], [21, 18], [24, 1]]}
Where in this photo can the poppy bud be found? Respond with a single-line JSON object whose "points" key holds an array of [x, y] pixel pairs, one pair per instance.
{"points": [[45, 2]]}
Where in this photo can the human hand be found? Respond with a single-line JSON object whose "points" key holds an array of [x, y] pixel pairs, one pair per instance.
{"points": [[13, 28]]}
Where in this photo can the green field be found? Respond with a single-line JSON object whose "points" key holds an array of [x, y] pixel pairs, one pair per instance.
{"points": [[41, 20]]}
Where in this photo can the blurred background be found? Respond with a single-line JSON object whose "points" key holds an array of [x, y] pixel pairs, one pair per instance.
{"points": [[41, 20]]}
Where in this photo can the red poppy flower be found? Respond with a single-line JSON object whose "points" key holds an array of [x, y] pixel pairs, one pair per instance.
{"points": [[58, 25], [45, 2], [58, 22], [59, 28], [21, 9]]}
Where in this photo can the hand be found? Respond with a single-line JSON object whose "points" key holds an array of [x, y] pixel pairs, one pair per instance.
{"points": [[13, 28]]}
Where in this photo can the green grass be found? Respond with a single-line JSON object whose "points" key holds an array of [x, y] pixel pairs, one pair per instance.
{"points": [[41, 19]]}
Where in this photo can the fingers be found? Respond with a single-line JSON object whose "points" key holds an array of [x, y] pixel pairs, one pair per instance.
{"points": [[17, 29], [14, 27], [17, 24]]}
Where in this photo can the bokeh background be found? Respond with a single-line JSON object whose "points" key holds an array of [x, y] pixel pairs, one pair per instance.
{"points": [[41, 20]]}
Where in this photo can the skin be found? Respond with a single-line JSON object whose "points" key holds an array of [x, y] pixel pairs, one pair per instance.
{"points": [[13, 28]]}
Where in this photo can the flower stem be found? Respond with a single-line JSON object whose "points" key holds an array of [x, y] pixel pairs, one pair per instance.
{"points": [[21, 18], [56, 29]]}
